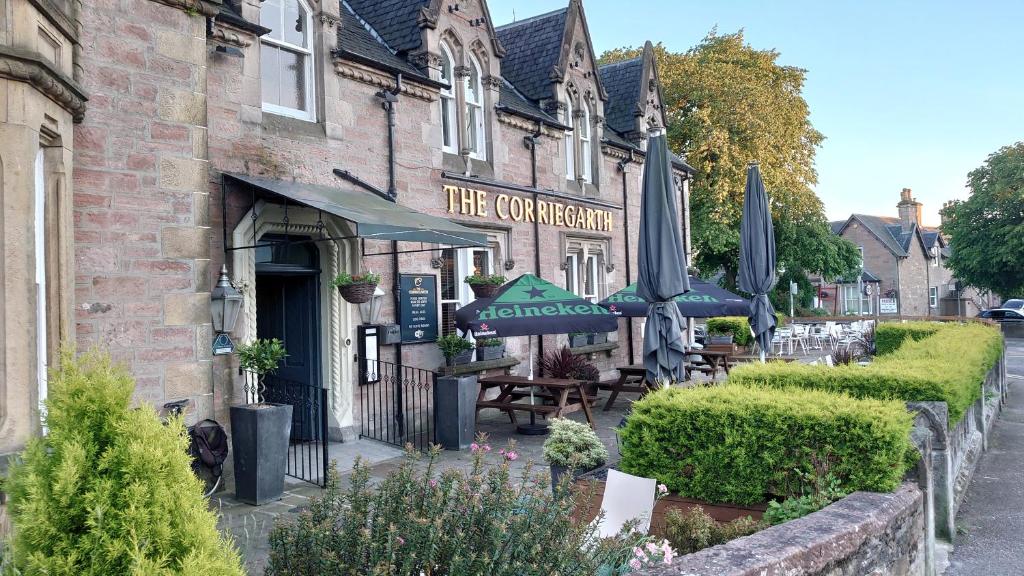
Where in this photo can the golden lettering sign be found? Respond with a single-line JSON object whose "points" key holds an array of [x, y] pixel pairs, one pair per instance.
{"points": [[472, 202]]}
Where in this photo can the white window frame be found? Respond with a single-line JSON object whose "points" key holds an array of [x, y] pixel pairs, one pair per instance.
{"points": [[572, 266], [449, 104], [464, 267], [849, 300], [570, 142], [307, 51], [39, 241], [933, 296], [582, 254], [586, 156], [479, 149]]}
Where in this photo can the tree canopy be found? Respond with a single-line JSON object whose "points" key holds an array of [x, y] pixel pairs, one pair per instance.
{"points": [[727, 104], [986, 231]]}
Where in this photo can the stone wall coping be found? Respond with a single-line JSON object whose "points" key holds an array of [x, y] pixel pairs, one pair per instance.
{"points": [[803, 546]]}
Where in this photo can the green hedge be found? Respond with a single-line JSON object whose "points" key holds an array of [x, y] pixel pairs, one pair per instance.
{"points": [[947, 366], [738, 326], [890, 335], [741, 444]]}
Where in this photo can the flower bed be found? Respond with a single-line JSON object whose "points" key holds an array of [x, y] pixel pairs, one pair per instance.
{"points": [[743, 445], [948, 365]]}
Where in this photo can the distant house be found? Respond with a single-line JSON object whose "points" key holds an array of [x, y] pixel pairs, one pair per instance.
{"points": [[904, 270]]}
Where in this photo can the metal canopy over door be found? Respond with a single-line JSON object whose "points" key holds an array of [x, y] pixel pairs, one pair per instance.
{"points": [[288, 308]]}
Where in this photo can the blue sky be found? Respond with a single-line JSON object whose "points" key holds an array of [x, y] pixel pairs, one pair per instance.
{"points": [[908, 94]]}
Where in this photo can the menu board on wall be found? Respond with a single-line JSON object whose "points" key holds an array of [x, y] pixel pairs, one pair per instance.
{"points": [[418, 306]]}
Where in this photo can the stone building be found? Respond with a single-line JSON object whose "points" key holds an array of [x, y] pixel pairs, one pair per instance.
{"points": [[295, 140], [904, 268]]}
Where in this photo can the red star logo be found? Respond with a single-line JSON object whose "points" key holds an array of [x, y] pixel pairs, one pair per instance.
{"points": [[612, 308], [483, 326]]}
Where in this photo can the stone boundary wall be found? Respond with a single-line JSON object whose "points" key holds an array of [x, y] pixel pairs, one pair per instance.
{"points": [[869, 533], [864, 533]]}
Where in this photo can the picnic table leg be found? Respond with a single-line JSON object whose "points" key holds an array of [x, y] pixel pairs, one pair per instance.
{"points": [[586, 405], [615, 391]]}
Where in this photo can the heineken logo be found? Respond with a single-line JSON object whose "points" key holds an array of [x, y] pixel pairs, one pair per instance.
{"points": [[688, 297], [496, 311]]}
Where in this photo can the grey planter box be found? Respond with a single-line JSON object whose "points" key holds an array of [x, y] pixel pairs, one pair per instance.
{"points": [[599, 338], [579, 340], [726, 339], [462, 358], [259, 443], [455, 411], [490, 352]]}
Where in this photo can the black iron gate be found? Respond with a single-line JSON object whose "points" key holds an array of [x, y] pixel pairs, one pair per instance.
{"points": [[396, 404], [307, 450]]}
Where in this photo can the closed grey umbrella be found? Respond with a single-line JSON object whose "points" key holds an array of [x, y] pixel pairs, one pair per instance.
{"points": [[757, 258], [662, 266]]}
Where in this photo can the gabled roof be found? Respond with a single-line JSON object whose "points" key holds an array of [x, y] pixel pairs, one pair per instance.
{"points": [[533, 47], [622, 80], [512, 100], [397, 21], [358, 40], [888, 231]]}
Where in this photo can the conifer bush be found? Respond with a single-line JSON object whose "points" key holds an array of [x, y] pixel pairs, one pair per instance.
{"points": [[110, 489]]}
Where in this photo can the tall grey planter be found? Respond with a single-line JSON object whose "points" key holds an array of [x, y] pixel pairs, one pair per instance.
{"points": [[455, 411], [259, 441]]}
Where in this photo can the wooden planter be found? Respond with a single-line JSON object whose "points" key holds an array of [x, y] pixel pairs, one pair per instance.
{"points": [[588, 508], [484, 290], [358, 292]]}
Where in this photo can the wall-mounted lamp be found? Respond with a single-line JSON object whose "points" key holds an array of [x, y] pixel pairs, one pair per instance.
{"points": [[225, 302], [369, 312]]}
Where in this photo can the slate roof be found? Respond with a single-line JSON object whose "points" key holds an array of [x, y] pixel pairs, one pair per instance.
{"points": [[512, 100], [622, 80], [356, 40], [394, 20], [889, 231], [837, 226], [532, 49]]}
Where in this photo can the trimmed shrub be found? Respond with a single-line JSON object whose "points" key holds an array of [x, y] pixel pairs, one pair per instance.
{"points": [[890, 335], [738, 326], [743, 445], [948, 366], [110, 490]]}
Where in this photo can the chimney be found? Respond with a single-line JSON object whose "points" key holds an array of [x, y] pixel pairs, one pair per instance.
{"points": [[910, 210]]}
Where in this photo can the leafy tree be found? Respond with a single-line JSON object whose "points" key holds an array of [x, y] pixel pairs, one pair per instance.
{"points": [[986, 231], [727, 104], [110, 489]]}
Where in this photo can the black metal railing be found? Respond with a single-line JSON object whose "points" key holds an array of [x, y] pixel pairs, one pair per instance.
{"points": [[396, 404], [307, 449]]}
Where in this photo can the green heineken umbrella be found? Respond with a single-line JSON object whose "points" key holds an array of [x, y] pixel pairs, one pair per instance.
{"points": [[704, 300]]}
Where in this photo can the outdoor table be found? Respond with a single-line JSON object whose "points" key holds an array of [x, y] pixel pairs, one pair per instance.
{"points": [[557, 389], [627, 376], [713, 358]]}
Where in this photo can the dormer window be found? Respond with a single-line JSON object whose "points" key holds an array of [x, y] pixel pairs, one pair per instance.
{"points": [[286, 58], [474, 111], [570, 142], [585, 156], [449, 139]]}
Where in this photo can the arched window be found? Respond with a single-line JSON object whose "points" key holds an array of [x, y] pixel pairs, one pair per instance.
{"points": [[586, 162], [286, 58], [449, 141], [570, 143], [474, 111]]}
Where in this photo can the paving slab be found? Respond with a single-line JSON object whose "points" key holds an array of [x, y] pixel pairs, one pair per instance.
{"points": [[990, 524]]}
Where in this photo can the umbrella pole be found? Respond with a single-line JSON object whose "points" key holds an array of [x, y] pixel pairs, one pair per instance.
{"points": [[532, 429]]}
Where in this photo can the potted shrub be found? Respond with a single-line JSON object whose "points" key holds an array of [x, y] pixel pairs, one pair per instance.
{"points": [[456, 349], [572, 448], [490, 349], [260, 431], [577, 339], [485, 285], [357, 288]]}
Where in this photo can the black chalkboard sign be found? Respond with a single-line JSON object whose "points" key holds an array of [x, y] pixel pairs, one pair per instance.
{"points": [[418, 305]]}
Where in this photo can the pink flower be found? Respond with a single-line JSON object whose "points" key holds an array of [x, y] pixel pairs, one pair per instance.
{"points": [[474, 447], [400, 540], [502, 451], [662, 489], [652, 547], [511, 455], [487, 447], [635, 564], [433, 483], [667, 551], [639, 553]]}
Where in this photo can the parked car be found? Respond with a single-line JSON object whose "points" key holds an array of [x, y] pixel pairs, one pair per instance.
{"points": [[1003, 315], [1013, 304]]}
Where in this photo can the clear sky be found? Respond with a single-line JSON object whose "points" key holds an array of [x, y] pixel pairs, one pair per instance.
{"points": [[907, 94]]}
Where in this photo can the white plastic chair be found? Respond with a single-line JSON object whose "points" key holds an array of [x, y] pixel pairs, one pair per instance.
{"points": [[626, 498]]}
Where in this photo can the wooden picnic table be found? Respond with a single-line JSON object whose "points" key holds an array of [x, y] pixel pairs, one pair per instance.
{"points": [[632, 378], [714, 359], [556, 389]]}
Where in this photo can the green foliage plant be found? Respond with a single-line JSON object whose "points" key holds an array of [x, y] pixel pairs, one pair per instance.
{"points": [[345, 279], [487, 342], [492, 279], [986, 231], [947, 366], [693, 529], [110, 489], [737, 326], [420, 521], [889, 336], [738, 444], [818, 488], [261, 356], [574, 445], [452, 345]]}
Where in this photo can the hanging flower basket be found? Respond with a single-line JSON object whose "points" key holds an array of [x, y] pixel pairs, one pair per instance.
{"points": [[357, 289], [485, 286]]}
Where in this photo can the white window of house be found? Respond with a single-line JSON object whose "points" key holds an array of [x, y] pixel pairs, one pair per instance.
{"points": [[449, 141], [850, 300], [475, 111], [572, 277], [586, 161], [286, 58], [42, 364], [933, 296], [456, 264], [584, 268], [570, 142]]}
